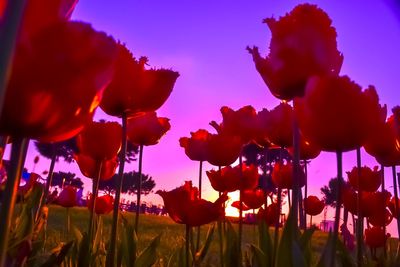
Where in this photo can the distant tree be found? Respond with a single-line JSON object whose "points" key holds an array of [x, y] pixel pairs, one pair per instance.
{"points": [[65, 149], [329, 192], [70, 179], [129, 184]]}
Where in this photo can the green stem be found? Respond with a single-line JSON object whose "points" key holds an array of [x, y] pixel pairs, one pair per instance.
{"points": [[396, 196], [11, 22], [113, 240], [339, 156], [240, 210], [383, 190], [95, 192], [296, 175], [187, 244], [18, 154], [67, 223], [359, 233], [221, 243], [276, 234], [139, 189], [198, 228], [305, 191]]}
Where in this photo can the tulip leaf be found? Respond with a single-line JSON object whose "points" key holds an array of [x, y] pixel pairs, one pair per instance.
{"points": [[326, 257], [259, 258], [201, 254], [129, 244], [305, 243], [83, 251], [149, 256], [265, 243], [232, 256], [57, 259], [344, 255]]}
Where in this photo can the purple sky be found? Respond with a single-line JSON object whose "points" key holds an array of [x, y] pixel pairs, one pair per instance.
{"points": [[205, 41]]}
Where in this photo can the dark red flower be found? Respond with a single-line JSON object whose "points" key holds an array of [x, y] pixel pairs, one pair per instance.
{"points": [[270, 215], [392, 207], [253, 198], [261, 137], [68, 197], [230, 179], [104, 204], [56, 82], [303, 44], [136, 89], [308, 150], [242, 122], [313, 206], [184, 206], [375, 237], [223, 149], [236, 204], [335, 114], [370, 180], [90, 167], [146, 128], [282, 176], [100, 140], [279, 125], [196, 145], [381, 218]]}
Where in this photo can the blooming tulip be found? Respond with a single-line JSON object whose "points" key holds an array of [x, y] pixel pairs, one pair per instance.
{"points": [[381, 218], [308, 150], [223, 149], [184, 206], [104, 204], [269, 215], [375, 237], [282, 176], [146, 128], [196, 146], [279, 125], [303, 44], [67, 197], [313, 206], [253, 198], [136, 89], [370, 180], [91, 168]]}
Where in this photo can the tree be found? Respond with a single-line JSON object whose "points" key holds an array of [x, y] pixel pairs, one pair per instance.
{"points": [[64, 149], [129, 183], [68, 178], [329, 191]]}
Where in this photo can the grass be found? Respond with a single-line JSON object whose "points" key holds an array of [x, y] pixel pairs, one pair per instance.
{"points": [[150, 226]]}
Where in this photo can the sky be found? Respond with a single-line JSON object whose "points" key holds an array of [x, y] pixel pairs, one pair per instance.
{"points": [[205, 42]]}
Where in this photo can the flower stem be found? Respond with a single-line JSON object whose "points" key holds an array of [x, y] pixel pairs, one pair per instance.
{"points": [[339, 156], [113, 240], [67, 223], [296, 175], [240, 210], [396, 196], [18, 154], [277, 225], [8, 36], [221, 242], [95, 192], [305, 192], [139, 189], [383, 190], [198, 228], [359, 234], [187, 244]]}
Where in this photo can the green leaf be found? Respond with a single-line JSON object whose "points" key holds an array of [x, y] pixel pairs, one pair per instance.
{"points": [[149, 256], [259, 259], [129, 244], [305, 244], [232, 256], [324, 261], [56, 259], [83, 252], [344, 255], [265, 243], [201, 254]]}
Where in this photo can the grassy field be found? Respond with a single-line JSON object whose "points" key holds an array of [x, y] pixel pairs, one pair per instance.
{"points": [[150, 226]]}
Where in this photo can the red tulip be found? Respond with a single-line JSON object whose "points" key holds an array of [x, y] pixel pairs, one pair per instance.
{"points": [[375, 237], [282, 176], [68, 197], [382, 143], [196, 146], [100, 140], [136, 89], [261, 136], [223, 149], [90, 167], [370, 180], [56, 82], [270, 215], [253, 198], [371, 203], [184, 206], [279, 125], [381, 218], [236, 204], [146, 128], [313, 206], [307, 150], [104, 204], [230, 179], [303, 44], [392, 207], [242, 122], [336, 115]]}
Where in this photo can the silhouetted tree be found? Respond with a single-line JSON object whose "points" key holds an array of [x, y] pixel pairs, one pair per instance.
{"points": [[329, 192], [65, 149], [70, 179], [129, 183]]}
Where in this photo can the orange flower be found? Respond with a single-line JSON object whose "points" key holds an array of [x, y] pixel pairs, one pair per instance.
{"points": [[146, 128], [370, 180], [56, 82], [104, 204], [242, 122], [134, 88], [90, 167], [307, 150], [223, 149], [253, 198], [375, 237], [282, 176], [184, 206], [279, 124], [68, 197], [270, 215], [383, 145], [100, 140], [230, 179], [303, 44], [313, 206], [196, 145], [335, 114]]}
